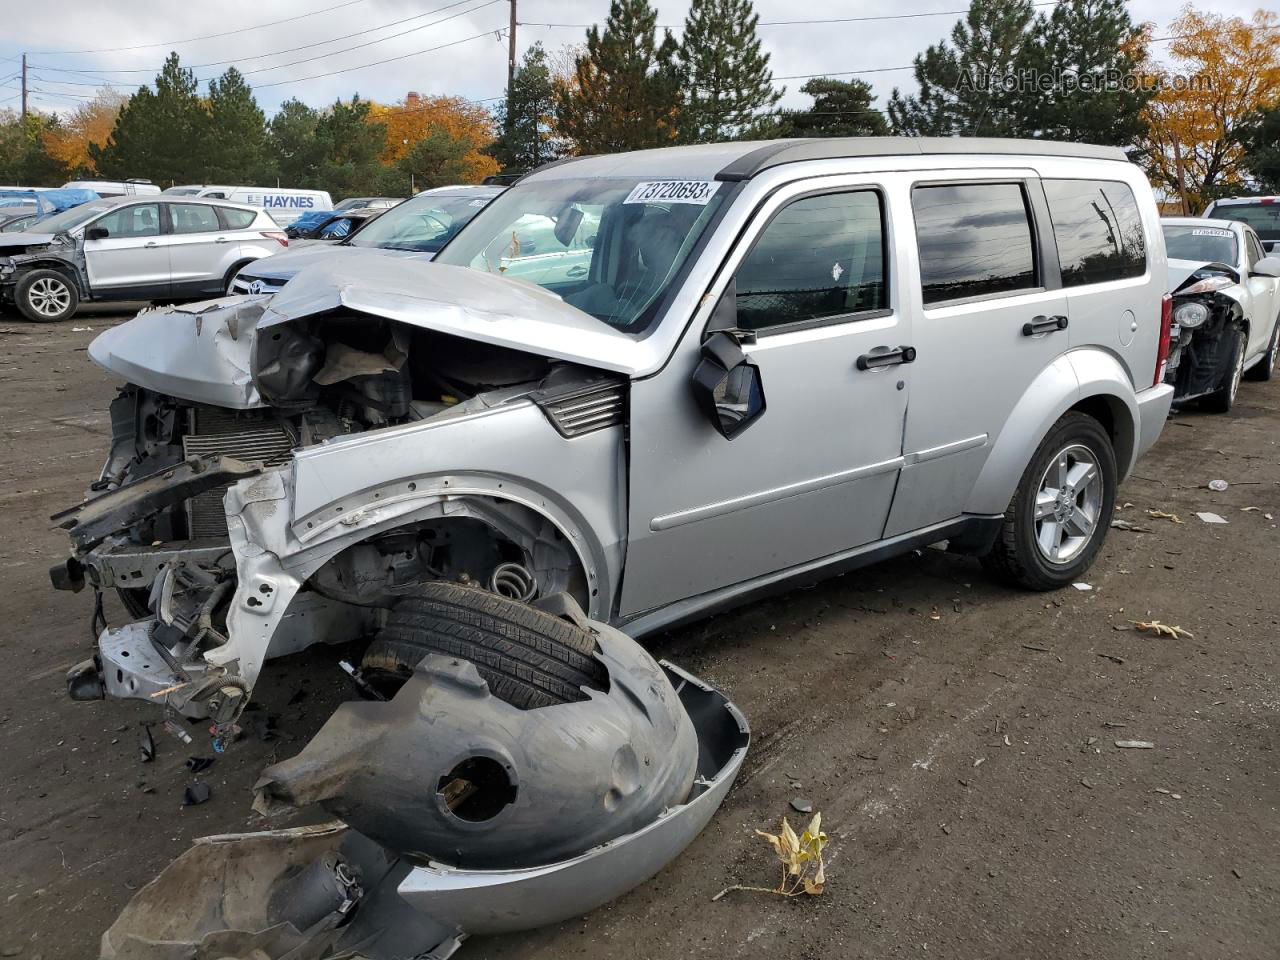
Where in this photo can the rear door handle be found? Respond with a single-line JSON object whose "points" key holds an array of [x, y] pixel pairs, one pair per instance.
{"points": [[223, 240], [151, 243], [1042, 324], [879, 357]]}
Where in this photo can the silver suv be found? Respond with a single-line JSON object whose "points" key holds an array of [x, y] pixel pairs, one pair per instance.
{"points": [[723, 370], [131, 248]]}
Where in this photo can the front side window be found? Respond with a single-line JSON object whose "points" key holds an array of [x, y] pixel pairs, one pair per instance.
{"points": [[1201, 244], [1098, 229], [138, 220], [819, 257], [974, 239], [1256, 252], [193, 218], [609, 246]]}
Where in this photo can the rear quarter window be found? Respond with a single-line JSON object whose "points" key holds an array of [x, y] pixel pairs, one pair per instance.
{"points": [[237, 219], [975, 240], [1098, 229]]}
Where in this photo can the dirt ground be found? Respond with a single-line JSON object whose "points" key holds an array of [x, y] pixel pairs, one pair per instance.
{"points": [[957, 737]]}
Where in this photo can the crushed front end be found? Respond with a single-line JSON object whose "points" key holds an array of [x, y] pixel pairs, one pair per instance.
{"points": [[1208, 330]]}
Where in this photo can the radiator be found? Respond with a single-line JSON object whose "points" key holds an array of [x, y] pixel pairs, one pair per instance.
{"points": [[217, 432]]}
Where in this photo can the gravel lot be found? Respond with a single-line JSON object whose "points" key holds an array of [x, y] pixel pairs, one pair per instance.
{"points": [[957, 737]]}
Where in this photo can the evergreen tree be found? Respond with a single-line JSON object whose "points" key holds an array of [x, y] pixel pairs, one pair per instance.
{"points": [[625, 92], [160, 135], [350, 146], [24, 156], [1260, 138], [294, 155], [962, 85], [234, 151], [1087, 48], [841, 108], [725, 74], [527, 138]]}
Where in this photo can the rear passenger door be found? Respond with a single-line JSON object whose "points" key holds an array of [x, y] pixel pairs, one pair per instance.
{"points": [[198, 247], [989, 317]]}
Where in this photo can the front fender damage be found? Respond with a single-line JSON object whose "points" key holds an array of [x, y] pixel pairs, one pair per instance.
{"points": [[411, 871]]}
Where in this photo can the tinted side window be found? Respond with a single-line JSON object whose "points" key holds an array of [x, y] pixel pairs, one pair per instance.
{"points": [[237, 219], [139, 220], [975, 240], [1098, 229], [193, 218], [818, 257]]}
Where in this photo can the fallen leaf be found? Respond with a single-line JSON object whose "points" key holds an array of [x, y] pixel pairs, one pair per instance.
{"points": [[1161, 515], [1161, 629]]}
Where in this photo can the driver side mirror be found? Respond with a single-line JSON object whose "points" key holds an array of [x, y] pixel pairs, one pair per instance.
{"points": [[726, 384], [97, 233], [1267, 267]]}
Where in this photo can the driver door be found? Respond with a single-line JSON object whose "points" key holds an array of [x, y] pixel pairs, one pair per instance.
{"points": [[810, 470], [132, 259]]}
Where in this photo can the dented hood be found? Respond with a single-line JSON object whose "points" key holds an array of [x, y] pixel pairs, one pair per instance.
{"points": [[284, 266], [489, 308], [9, 241], [199, 352]]}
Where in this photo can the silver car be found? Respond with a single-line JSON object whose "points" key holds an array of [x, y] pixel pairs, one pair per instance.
{"points": [[719, 371], [131, 248]]}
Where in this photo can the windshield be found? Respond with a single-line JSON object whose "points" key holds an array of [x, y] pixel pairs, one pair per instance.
{"points": [[607, 246], [1263, 217], [1200, 243], [68, 219], [423, 224]]}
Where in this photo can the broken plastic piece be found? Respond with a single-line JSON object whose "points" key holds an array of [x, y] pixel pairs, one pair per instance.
{"points": [[198, 764], [197, 792], [146, 744]]}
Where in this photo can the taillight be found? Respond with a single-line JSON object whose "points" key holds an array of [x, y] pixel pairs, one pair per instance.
{"points": [[1162, 349], [278, 236]]}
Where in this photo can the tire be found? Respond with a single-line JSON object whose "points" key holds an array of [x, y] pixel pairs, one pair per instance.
{"points": [[46, 296], [1265, 368], [1019, 556], [529, 658], [1224, 398]]}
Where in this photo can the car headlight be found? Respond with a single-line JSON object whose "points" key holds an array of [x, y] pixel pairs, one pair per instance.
{"points": [[1208, 285], [1190, 315]]}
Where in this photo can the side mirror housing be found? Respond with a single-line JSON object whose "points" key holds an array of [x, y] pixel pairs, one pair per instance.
{"points": [[1267, 267], [97, 233], [727, 385]]}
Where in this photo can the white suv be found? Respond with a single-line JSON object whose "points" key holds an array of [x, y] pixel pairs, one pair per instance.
{"points": [[131, 248]]}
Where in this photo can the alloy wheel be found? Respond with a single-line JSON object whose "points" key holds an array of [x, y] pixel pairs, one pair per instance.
{"points": [[49, 297], [1068, 504]]}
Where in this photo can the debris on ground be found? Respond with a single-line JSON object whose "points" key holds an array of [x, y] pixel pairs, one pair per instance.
{"points": [[1211, 518], [172, 727], [197, 792], [199, 764], [801, 857], [1131, 527], [146, 744], [1083, 587], [1162, 629], [1162, 515], [801, 805], [1218, 485], [1135, 745], [1086, 782], [1112, 657]]}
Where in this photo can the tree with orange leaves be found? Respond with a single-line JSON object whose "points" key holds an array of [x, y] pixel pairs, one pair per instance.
{"points": [[91, 123], [419, 117], [1223, 71]]}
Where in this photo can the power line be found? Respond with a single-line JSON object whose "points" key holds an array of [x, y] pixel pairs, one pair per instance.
{"points": [[260, 56], [210, 36]]}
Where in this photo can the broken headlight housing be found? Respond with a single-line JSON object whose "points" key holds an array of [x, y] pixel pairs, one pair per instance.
{"points": [[1207, 285], [1191, 315]]}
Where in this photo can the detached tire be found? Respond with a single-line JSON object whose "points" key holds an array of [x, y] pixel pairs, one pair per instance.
{"points": [[529, 658], [1060, 513], [46, 296]]}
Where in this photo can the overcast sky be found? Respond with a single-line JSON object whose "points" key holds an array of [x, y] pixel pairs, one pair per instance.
{"points": [[72, 52]]}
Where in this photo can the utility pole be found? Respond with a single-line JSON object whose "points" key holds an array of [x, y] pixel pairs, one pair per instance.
{"points": [[511, 61], [24, 87]]}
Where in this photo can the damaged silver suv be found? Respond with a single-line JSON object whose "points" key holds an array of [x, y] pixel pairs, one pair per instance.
{"points": [[661, 383]]}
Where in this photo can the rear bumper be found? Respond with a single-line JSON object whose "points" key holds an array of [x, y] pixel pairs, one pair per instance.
{"points": [[1153, 410]]}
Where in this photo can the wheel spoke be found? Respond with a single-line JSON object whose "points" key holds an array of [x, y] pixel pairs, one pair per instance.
{"points": [[1081, 475], [1046, 500], [1079, 523], [1063, 467], [1050, 537]]}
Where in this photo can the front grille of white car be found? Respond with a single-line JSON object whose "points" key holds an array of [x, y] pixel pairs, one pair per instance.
{"points": [[255, 285], [222, 433], [588, 410]]}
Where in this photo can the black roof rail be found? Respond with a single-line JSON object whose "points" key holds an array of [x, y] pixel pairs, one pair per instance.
{"points": [[838, 148]]}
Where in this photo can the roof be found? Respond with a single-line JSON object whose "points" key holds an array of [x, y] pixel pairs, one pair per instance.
{"points": [[1203, 222], [1236, 201], [743, 160], [461, 190]]}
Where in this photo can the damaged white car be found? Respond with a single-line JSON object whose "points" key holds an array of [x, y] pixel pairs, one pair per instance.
{"points": [[1226, 309]]}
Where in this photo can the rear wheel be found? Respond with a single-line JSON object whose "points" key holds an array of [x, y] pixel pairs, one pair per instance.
{"points": [[528, 657], [1265, 368], [1060, 513], [1224, 398], [46, 296]]}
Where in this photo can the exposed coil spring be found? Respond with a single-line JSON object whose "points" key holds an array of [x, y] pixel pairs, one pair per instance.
{"points": [[514, 581]]}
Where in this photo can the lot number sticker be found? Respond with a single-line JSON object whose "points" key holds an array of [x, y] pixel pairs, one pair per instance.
{"points": [[673, 191], [1210, 232]]}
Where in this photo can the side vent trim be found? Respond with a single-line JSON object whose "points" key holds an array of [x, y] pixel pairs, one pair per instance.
{"points": [[596, 407]]}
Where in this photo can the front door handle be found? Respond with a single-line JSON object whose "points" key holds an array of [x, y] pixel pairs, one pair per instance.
{"points": [[150, 243], [223, 240], [880, 357], [1042, 324]]}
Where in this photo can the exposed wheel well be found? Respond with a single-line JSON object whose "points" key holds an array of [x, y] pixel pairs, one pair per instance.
{"points": [[235, 268], [1117, 421], [60, 266]]}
